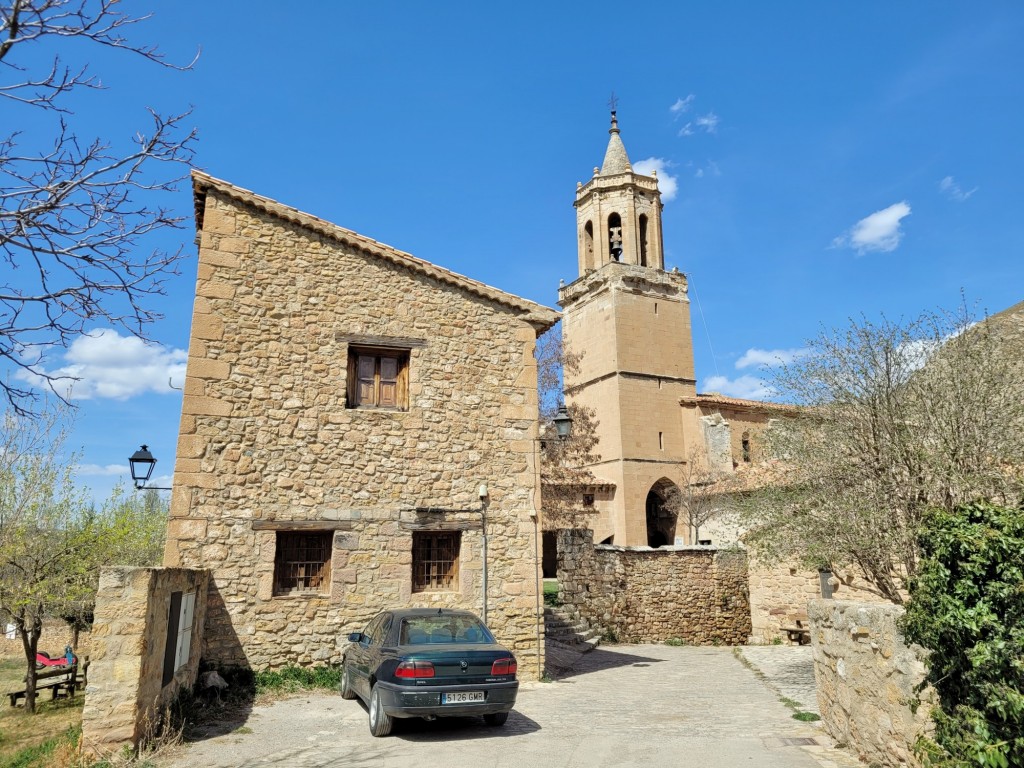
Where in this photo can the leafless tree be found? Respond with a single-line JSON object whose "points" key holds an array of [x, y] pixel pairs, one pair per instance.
{"points": [[564, 477], [75, 211], [899, 418], [699, 497]]}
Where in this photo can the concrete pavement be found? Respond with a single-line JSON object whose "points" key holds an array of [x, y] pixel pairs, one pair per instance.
{"points": [[625, 705]]}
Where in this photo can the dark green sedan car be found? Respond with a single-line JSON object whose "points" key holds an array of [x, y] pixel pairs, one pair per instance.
{"points": [[428, 662]]}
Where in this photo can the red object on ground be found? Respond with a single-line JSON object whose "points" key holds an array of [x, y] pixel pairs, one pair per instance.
{"points": [[43, 659]]}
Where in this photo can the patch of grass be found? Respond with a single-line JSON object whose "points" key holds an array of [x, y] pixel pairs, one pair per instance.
{"points": [[56, 750], [244, 730], [551, 594], [806, 717], [776, 640], [675, 642], [291, 679]]}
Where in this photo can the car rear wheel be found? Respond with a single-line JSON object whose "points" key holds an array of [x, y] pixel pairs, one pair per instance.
{"points": [[346, 685], [497, 719], [380, 721]]}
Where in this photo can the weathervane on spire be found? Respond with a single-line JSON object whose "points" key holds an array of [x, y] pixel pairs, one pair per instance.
{"points": [[613, 102]]}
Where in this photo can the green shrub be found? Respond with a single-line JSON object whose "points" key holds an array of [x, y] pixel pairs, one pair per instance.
{"points": [[298, 679], [967, 608]]}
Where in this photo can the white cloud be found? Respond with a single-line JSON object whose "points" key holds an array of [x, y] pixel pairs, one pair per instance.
{"points": [[682, 105], [878, 232], [949, 187], [667, 183], [101, 470], [746, 387], [105, 364], [769, 357], [708, 122]]}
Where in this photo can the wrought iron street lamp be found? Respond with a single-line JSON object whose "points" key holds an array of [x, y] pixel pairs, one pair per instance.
{"points": [[142, 464]]}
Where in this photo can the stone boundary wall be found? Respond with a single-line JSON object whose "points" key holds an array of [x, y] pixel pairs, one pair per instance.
{"points": [[779, 593], [640, 595], [125, 696], [867, 677]]}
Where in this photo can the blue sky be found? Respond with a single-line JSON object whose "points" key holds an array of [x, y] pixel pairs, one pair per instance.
{"points": [[824, 159]]}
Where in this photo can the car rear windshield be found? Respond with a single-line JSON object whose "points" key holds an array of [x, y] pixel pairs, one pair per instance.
{"points": [[420, 630]]}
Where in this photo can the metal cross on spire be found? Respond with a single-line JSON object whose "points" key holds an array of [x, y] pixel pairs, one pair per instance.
{"points": [[613, 102]]}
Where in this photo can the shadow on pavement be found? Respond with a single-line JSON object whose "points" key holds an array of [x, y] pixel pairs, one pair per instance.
{"points": [[462, 728], [599, 659]]}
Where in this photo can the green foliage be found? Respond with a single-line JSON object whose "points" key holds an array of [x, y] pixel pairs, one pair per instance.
{"points": [[551, 598], [675, 642], [293, 678], [967, 608], [806, 717]]}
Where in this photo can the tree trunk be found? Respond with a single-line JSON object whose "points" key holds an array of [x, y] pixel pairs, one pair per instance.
{"points": [[29, 633], [75, 628]]}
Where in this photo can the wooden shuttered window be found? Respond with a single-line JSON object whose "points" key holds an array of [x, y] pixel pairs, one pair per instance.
{"points": [[435, 561], [378, 379]]}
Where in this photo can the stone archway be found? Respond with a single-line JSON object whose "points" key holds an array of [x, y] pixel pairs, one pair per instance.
{"points": [[662, 512]]}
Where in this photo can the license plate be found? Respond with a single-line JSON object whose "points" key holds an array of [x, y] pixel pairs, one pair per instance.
{"points": [[462, 697]]}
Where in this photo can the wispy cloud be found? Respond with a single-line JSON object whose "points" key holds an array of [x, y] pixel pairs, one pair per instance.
{"points": [[746, 387], [710, 168], [951, 189], [667, 183], [878, 232], [105, 364], [682, 105], [708, 123], [102, 470], [769, 358]]}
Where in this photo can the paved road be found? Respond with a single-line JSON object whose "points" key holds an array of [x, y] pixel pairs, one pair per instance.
{"points": [[626, 705]]}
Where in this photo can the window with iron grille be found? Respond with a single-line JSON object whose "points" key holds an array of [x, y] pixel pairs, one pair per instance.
{"points": [[302, 562], [435, 561]]}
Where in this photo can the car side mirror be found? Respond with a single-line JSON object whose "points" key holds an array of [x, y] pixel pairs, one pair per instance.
{"points": [[355, 637]]}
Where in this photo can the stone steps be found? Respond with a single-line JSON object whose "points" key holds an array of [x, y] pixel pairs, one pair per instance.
{"points": [[569, 631]]}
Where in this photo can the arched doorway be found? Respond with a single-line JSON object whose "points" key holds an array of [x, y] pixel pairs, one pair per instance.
{"points": [[662, 511]]}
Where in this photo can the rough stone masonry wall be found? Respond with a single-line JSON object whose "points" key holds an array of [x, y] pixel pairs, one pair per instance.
{"points": [[779, 594], [867, 677], [266, 440], [125, 694], [639, 595]]}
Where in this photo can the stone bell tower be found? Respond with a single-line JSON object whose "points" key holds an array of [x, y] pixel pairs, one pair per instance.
{"points": [[630, 320]]}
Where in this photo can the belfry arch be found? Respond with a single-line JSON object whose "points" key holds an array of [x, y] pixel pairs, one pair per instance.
{"points": [[662, 513]]}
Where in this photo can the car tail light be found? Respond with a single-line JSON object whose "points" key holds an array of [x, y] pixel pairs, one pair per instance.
{"points": [[415, 669], [504, 667]]}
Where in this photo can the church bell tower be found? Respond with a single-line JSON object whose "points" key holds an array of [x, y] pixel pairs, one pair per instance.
{"points": [[630, 321]]}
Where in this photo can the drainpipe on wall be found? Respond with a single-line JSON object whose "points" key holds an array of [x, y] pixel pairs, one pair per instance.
{"points": [[483, 522]]}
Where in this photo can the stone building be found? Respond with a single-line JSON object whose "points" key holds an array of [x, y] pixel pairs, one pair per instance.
{"points": [[357, 432], [629, 318]]}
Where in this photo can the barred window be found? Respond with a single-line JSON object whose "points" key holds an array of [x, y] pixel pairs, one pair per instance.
{"points": [[435, 561], [302, 562]]}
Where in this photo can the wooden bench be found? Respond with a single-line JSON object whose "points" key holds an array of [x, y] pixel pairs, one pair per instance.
{"points": [[800, 632], [60, 680]]}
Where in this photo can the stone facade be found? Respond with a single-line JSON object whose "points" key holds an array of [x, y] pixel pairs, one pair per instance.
{"points": [[270, 443], [126, 691], [642, 595], [867, 677], [780, 593]]}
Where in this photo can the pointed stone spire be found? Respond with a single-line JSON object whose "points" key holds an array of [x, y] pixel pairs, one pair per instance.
{"points": [[615, 158]]}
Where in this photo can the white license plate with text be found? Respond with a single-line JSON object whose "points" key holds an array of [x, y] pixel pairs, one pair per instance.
{"points": [[462, 697]]}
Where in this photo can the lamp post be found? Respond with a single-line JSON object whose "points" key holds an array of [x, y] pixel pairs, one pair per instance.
{"points": [[142, 463], [563, 427]]}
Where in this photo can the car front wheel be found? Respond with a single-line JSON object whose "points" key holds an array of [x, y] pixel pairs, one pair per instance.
{"points": [[346, 685], [380, 721], [496, 719]]}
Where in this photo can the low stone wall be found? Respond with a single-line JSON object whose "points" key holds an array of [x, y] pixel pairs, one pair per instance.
{"points": [[867, 677], [638, 595], [134, 632], [779, 593]]}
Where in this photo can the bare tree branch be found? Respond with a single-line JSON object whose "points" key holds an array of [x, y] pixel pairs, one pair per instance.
{"points": [[75, 214]]}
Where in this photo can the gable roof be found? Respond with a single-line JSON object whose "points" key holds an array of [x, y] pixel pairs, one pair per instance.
{"points": [[539, 316]]}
